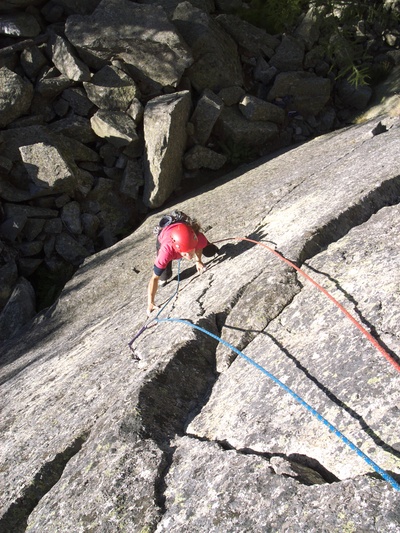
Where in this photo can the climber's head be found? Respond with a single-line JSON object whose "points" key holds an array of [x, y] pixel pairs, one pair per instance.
{"points": [[184, 240]]}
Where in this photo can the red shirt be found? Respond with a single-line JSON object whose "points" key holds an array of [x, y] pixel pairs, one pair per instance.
{"points": [[167, 252]]}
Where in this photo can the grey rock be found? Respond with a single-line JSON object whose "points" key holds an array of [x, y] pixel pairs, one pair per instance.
{"points": [[216, 60], [32, 61], [66, 61], [15, 210], [13, 226], [263, 72], [254, 40], [33, 228], [50, 88], [78, 101], [47, 168], [16, 96], [111, 88], [53, 225], [28, 265], [241, 486], [235, 129], [165, 119], [115, 126], [76, 6], [114, 211], [309, 28], [135, 110], [307, 93], [256, 109], [19, 25], [19, 309], [205, 115], [29, 248], [69, 249], [203, 157], [226, 6], [90, 225], [132, 179], [231, 95], [76, 127], [289, 55], [5, 164], [8, 279], [355, 97], [71, 217], [140, 36]]}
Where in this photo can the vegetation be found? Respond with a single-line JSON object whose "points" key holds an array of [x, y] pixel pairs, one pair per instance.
{"points": [[346, 26]]}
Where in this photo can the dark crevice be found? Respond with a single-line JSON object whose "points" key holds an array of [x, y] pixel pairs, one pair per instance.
{"points": [[305, 470], [174, 395], [388, 194], [16, 518]]}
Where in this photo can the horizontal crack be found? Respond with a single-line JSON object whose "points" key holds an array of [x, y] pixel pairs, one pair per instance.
{"points": [[305, 470]]}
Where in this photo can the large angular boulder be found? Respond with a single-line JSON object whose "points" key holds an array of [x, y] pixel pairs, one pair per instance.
{"points": [[216, 59], [140, 36], [15, 96], [205, 115], [66, 61], [20, 308], [303, 91], [234, 129], [250, 38], [165, 120], [111, 88]]}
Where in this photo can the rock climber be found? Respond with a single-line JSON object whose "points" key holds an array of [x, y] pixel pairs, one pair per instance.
{"points": [[178, 236]]}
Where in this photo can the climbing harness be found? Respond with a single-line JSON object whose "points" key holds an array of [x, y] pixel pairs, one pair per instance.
{"points": [[315, 413]]}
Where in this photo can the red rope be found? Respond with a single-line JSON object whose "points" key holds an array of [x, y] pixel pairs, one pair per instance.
{"points": [[349, 316]]}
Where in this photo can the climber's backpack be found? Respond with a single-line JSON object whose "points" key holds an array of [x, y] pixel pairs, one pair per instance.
{"points": [[167, 220]]}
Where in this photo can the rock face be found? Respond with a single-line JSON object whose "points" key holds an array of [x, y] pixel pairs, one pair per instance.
{"points": [[184, 434], [92, 113]]}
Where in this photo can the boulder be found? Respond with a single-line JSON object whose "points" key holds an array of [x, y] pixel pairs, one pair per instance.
{"points": [[115, 126], [15, 97], [141, 36], [165, 119], [305, 92], [233, 128], [19, 309], [254, 108], [66, 61], [32, 61], [216, 60], [205, 115], [354, 97], [70, 249], [250, 38], [289, 55], [110, 88], [8, 278], [19, 25], [203, 157], [47, 168]]}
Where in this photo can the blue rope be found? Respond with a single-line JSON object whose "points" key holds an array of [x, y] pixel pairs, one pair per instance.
{"points": [[331, 428], [300, 400]]}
